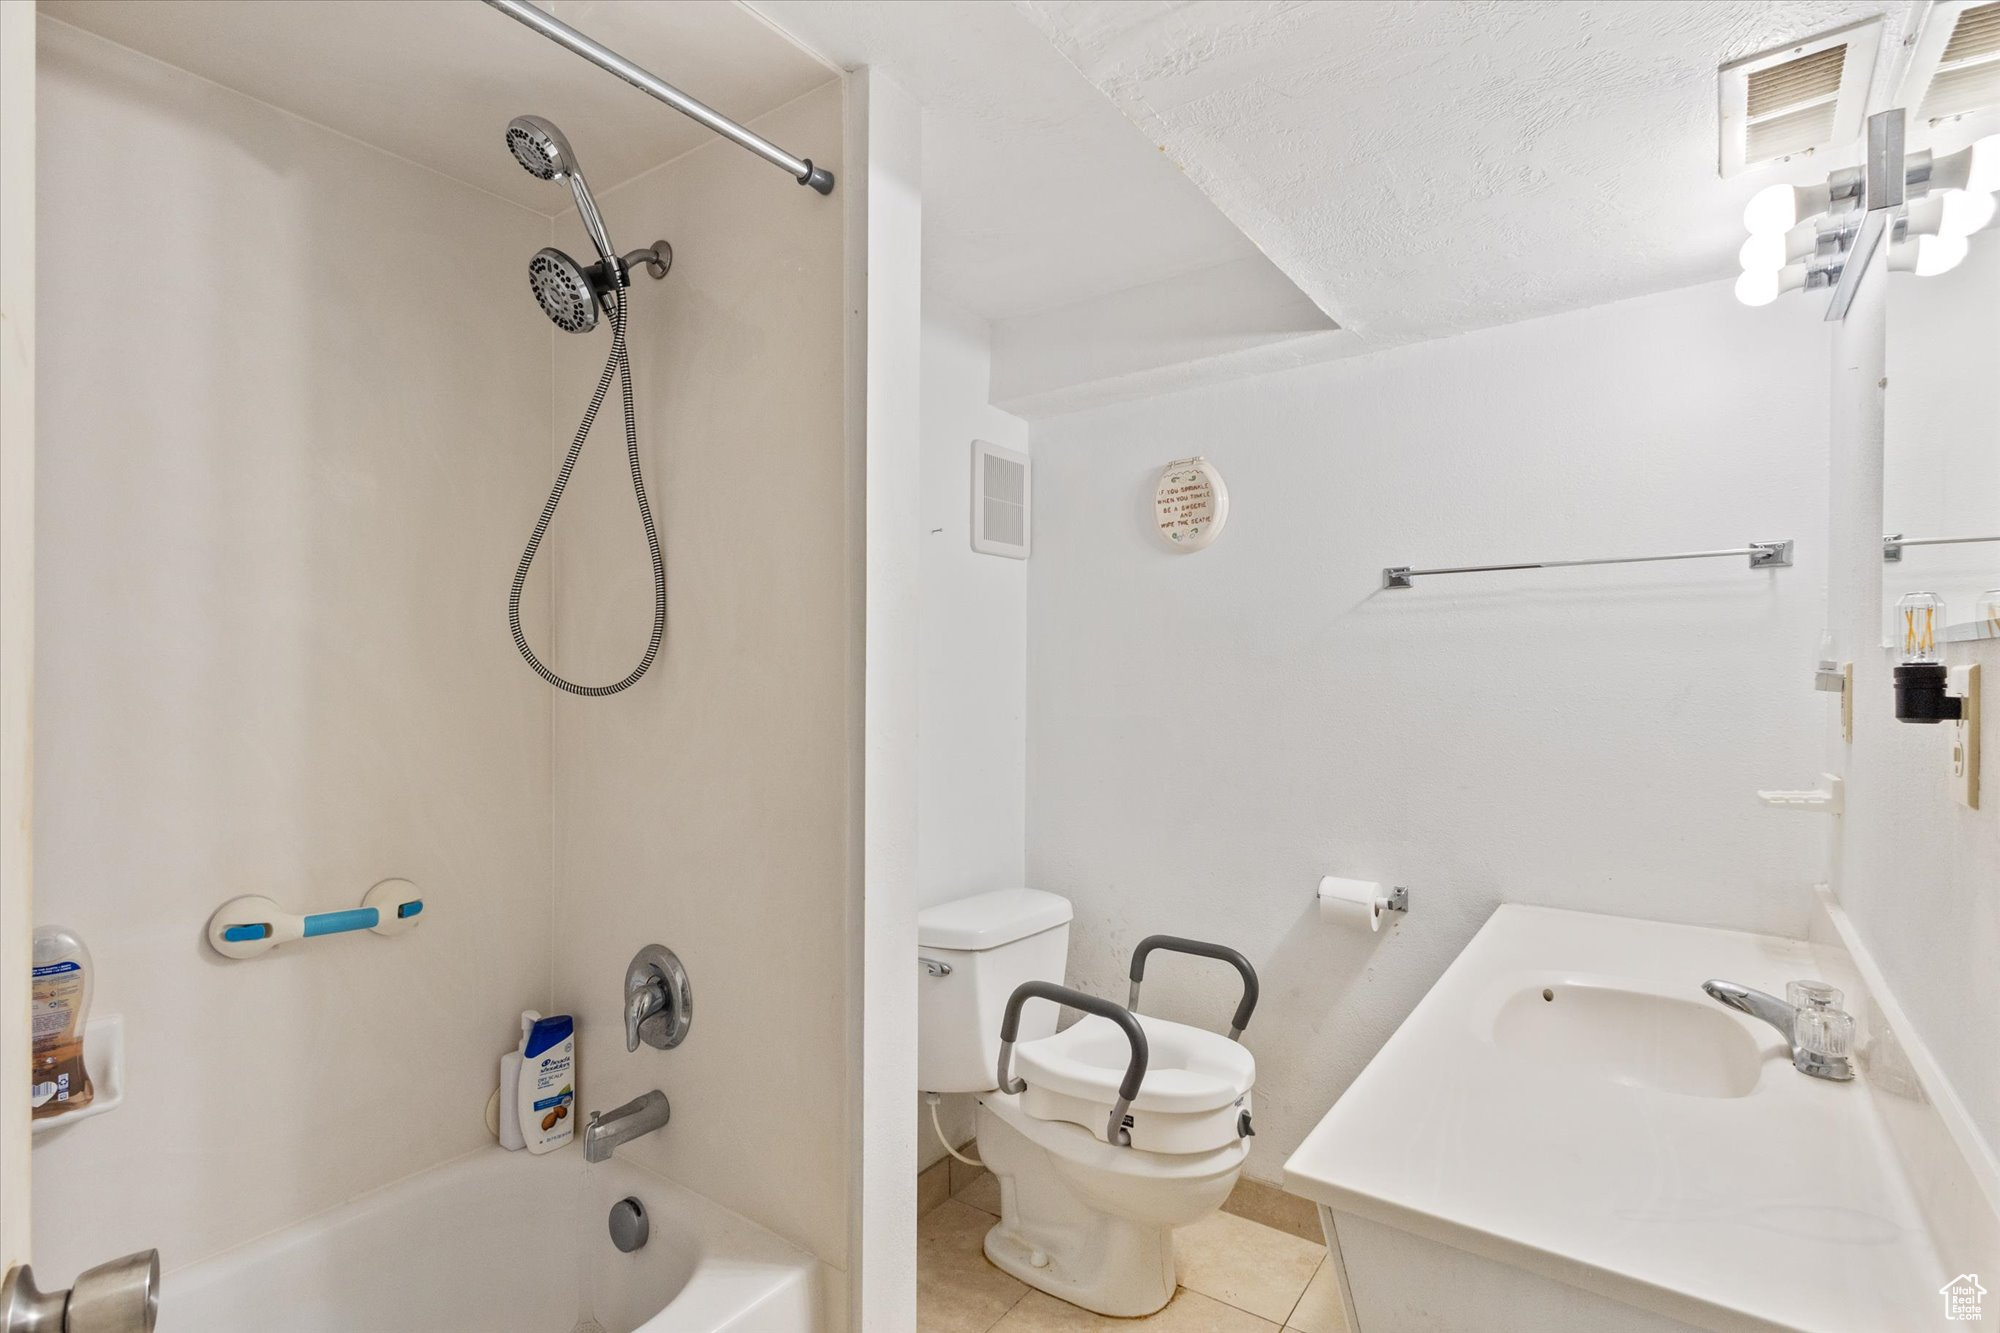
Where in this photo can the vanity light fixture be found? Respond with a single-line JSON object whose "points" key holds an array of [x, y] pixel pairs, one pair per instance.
{"points": [[1920, 672], [1802, 236]]}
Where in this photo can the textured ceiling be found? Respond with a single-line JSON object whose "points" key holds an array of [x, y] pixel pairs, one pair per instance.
{"points": [[1037, 192], [436, 81], [1421, 169]]}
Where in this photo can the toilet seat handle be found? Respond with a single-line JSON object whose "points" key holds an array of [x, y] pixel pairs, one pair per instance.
{"points": [[1200, 949], [1135, 1072]]}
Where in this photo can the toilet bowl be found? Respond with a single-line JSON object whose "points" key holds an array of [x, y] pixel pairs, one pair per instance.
{"points": [[1091, 1187]]}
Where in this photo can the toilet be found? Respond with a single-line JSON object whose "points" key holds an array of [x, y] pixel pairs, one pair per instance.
{"points": [[1085, 1216]]}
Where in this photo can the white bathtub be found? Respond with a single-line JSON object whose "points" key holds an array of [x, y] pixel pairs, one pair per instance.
{"points": [[493, 1243]]}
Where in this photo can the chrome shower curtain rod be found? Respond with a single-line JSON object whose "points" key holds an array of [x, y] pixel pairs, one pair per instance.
{"points": [[801, 168]]}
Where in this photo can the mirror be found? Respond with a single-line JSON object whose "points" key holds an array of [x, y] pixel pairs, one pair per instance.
{"points": [[1941, 447]]}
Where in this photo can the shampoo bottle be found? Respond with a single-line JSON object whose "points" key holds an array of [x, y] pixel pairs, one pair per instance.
{"points": [[546, 1099], [62, 976], [510, 1087]]}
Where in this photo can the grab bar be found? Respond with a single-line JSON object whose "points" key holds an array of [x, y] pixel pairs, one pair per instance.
{"points": [[1135, 1072], [1200, 949], [253, 924]]}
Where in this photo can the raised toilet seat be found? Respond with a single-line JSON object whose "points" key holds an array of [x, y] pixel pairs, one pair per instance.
{"points": [[1195, 1096], [1108, 1135]]}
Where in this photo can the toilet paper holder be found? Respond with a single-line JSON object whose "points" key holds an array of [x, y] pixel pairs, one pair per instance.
{"points": [[1386, 898]]}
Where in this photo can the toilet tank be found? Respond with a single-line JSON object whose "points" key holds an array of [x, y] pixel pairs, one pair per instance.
{"points": [[992, 942]]}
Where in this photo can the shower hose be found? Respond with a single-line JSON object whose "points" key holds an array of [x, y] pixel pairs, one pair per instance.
{"points": [[617, 365]]}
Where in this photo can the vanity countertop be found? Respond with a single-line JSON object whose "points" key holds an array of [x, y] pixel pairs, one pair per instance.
{"points": [[1706, 1180]]}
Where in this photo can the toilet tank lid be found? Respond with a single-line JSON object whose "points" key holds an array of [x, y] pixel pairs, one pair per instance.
{"points": [[989, 920]]}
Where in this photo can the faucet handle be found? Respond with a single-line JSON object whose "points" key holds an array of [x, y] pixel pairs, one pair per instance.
{"points": [[1822, 1032], [659, 1000]]}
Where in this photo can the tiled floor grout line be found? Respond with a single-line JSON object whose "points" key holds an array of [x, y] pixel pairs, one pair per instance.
{"points": [[1009, 1310], [1221, 1300], [1286, 1322], [1281, 1325]]}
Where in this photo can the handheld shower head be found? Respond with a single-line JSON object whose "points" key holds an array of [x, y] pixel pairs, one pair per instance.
{"points": [[544, 153], [542, 150]]}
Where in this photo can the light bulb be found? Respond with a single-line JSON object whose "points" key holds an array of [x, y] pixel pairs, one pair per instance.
{"points": [[1757, 286], [1975, 169], [1983, 176], [1920, 619], [1761, 253], [1964, 212], [1939, 254], [1781, 207], [1773, 209]]}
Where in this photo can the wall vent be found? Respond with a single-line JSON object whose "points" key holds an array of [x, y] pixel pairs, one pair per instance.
{"points": [[1955, 63], [1000, 495], [1798, 98]]}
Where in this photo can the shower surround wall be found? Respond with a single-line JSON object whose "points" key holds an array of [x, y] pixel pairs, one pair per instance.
{"points": [[286, 471], [707, 808], [285, 467], [1210, 733]]}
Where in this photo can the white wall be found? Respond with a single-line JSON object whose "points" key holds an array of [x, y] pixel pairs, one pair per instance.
{"points": [[884, 207], [972, 674], [1918, 873], [707, 808], [972, 683], [1210, 732], [284, 473]]}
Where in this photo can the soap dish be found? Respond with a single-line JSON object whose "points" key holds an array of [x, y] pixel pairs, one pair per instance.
{"points": [[104, 1061]]}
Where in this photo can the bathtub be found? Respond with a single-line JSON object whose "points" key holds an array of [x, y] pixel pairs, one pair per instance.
{"points": [[503, 1242]]}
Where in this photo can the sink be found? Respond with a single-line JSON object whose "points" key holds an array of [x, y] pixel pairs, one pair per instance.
{"points": [[1625, 1142], [1634, 1037]]}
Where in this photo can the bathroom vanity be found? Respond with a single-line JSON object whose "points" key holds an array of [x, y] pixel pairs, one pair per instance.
{"points": [[1568, 1136]]}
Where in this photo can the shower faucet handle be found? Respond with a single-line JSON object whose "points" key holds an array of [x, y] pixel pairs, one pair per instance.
{"points": [[659, 999]]}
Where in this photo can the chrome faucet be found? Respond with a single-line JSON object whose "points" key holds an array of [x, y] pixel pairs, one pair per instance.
{"points": [[1824, 1053], [642, 1115]]}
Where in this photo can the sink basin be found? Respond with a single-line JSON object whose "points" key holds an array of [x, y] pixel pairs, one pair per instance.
{"points": [[1625, 1145], [1691, 1047]]}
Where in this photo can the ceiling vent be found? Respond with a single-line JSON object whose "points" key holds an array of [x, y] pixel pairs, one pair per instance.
{"points": [[1797, 99], [1955, 65]]}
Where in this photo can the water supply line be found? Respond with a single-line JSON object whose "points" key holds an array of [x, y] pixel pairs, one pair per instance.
{"points": [[931, 1099]]}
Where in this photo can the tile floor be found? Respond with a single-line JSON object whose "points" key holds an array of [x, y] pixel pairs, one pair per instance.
{"points": [[1237, 1276]]}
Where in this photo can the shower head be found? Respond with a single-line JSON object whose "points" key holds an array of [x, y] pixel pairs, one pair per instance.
{"points": [[540, 148], [544, 153], [564, 290]]}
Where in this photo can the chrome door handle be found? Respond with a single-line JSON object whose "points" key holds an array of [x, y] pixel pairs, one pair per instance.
{"points": [[122, 1296]]}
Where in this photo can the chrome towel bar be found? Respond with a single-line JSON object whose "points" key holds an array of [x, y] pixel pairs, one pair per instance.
{"points": [[1893, 544], [1763, 555]]}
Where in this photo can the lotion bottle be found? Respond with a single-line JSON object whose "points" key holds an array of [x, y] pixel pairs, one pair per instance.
{"points": [[546, 1099], [510, 1087], [62, 977]]}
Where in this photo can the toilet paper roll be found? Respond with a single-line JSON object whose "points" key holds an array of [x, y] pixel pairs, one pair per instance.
{"points": [[1352, 902]]}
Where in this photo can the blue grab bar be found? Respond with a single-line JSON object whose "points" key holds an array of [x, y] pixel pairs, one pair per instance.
{"points": [[332, 923], [247, 926]]}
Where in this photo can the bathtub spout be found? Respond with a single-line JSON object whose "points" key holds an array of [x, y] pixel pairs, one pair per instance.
{"points": [[642, 1115]]}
